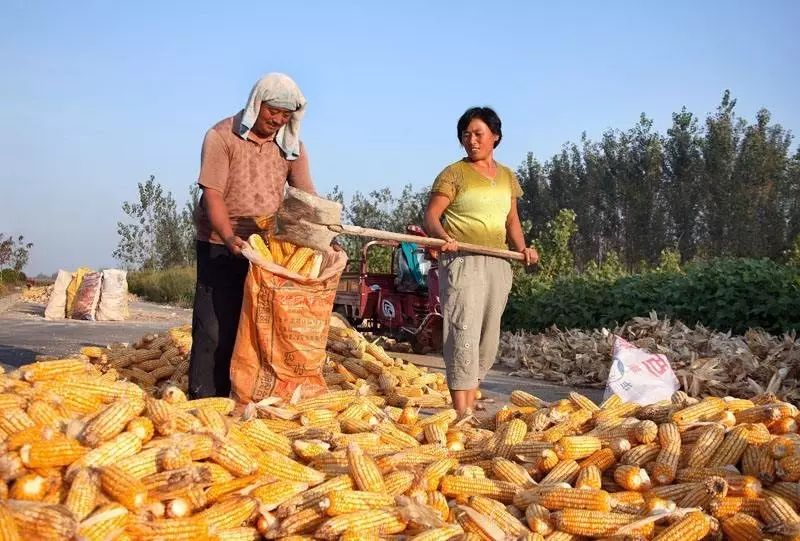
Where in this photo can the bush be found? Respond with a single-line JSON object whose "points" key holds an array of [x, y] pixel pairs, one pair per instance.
{"points": [[11, 276], [174, 285], [733, 294]]}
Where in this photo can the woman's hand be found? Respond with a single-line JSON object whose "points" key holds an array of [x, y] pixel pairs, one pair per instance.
{"points": [[531, 256], [450, 245]]}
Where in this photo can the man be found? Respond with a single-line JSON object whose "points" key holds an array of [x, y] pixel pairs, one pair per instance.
{"points": [[246, 161]]}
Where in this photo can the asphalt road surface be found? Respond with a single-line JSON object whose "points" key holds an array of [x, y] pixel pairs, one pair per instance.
{"points": [[24, 334]]}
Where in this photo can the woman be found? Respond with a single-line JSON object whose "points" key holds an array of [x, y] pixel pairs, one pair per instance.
{"points": [[246, 161], [474, 200]]}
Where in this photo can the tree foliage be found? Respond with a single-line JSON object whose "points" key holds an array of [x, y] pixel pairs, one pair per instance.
{"points": [[156, 236], [718, 188], [14, 252], [379, 209]]}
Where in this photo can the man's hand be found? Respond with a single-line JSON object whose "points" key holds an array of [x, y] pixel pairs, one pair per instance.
{"points": [[234, 245], [531, 256]]}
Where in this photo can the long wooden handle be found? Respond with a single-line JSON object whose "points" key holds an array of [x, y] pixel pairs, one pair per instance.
{"points": [[425, 241]]}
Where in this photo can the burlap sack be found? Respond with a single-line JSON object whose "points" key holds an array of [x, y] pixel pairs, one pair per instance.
{"points": [[283, 329]]}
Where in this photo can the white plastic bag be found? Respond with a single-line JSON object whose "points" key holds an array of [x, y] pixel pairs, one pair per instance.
{"points": [[639, 376]]}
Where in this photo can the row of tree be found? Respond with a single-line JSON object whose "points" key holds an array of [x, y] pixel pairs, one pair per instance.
{"points": [[724, 188], [720, 188]]}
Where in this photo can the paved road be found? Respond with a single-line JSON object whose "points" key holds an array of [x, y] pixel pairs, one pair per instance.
{"points": [[24, 333]]}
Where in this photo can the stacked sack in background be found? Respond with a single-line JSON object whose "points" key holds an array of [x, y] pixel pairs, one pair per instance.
{"points": [[88, 295]]}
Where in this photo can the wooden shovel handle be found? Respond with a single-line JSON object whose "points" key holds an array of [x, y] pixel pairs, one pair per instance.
{"points": [[424, 241]]}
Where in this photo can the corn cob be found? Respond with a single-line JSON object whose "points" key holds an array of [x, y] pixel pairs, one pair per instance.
{"points": [[379, 521], [602, 458], [234, 457], [691, 527], [556, 498], [449, 532], [701, 411], [576, 447], [365, 473], [741, 527], [731, 448], [458, 486], [106, 523], [788, 468], [44, 414], [538, 519], [594, 523], [521, 398], [775, 510], [589, 477], [340, 502], [505, 470], [477, 525], [48, 454], [282, 467], [563, 472], [398, 482], [123, 487], [730, 505], [228, 513], [30, 487], [8, 528], [83, 493], [111, 421], [15, 420], [497, 513], [171, 529], [271, 495], [314, 495], [36, 520], [666, 463], [54, 369]]}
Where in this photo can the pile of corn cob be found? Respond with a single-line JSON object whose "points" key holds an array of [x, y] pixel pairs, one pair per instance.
{"points": [[87, 456], [300, 259], [152, 362], [37, 294], [156, 361]]}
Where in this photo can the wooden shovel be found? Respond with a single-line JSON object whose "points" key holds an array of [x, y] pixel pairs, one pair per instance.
{"points": [[308, 220]]}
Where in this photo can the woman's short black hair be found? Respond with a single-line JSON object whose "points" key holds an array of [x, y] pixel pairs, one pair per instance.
{"points": [[488, 116]]}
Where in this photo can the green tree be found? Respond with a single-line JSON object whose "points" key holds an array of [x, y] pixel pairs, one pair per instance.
{"points": [[556, 258], [683, 168], [187, 228], [155, 239], [722, 210], [14, 252], [379, 209]]}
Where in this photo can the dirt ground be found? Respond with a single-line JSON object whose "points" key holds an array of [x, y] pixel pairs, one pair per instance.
{"points": [[24, 333]]}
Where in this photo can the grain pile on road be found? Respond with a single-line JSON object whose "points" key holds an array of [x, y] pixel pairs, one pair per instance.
{"points": [[152, 362], [705, 361], [88, 456], [38, 294]]}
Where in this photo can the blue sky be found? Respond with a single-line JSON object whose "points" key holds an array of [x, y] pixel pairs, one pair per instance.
{"points": [[97, 96]]}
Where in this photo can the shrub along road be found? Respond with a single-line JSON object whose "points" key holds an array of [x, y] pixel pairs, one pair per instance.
{"points": [[24, 333]]}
